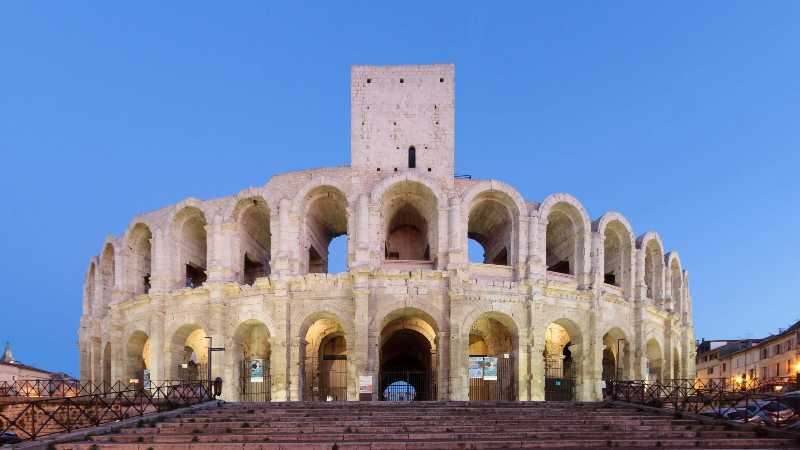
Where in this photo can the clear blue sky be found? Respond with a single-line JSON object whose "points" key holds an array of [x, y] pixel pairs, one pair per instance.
{"points": [[684, 116]]}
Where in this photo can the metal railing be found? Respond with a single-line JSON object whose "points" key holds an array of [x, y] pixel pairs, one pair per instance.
{"points": [[57, 388], [30, 418], [713, 400]]}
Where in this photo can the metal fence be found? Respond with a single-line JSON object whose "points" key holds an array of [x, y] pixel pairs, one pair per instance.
{"points": [[713, 400], [57, 388], [29, 418], [408, 386]]}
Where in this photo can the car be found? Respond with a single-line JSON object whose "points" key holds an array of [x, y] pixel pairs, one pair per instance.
{"points": [[8, 437]]}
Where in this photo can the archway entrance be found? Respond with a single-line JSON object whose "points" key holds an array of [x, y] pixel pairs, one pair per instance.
{"points": [[654, 358], [491, 360], [560, 364], [252, 349], [190, 353], [138, 359], [325, 361], [616, 356], [408, 359]]}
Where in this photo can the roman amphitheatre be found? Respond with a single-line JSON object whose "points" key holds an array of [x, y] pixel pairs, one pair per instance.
{"points": [[561, 302]]}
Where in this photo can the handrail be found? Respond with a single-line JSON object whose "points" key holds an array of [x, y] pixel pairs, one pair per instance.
{"points": [[30, 418], [711, 399]]}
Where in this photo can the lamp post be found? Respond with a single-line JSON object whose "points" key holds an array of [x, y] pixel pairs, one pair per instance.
{"points": [[212, 349]]}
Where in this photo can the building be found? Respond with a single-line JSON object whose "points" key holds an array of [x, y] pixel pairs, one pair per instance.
{"points": [[753, 362], [13, 370], [559, 303]]}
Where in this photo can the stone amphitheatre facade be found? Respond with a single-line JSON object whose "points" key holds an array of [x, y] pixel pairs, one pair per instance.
{"points": [[560, 302]]}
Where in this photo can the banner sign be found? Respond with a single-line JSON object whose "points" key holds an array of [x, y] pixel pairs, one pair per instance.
{"points": [[490, 368], [256, 370], [365, 384], [476, 367], [146, 379]]}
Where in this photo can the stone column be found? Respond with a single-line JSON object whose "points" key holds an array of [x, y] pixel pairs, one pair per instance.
{"points": [[161, 267], [597, 261], [459, 376], [281, 263], [284, 359], [158, 361], [362, 231], [521, 244], [457, 256], [361, 347], [536, 362], [443, 238]]}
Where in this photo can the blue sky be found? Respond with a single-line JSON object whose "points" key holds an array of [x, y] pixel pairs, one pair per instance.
{"points": [[684, 116]]}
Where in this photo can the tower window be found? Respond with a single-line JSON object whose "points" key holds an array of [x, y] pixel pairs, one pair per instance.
{"points": [[369, 80], [402, 80], [412, 157], [441, 80]]}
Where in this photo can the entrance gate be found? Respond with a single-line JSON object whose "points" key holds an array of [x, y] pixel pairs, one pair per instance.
{"points": [[328, 381], [408, 386], [254, 384], [559, 380], [502, 388], [192, 371]]}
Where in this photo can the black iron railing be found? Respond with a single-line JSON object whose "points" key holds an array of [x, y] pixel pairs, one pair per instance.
{"points": [[779, 409], [58, 388], [30, 418]]}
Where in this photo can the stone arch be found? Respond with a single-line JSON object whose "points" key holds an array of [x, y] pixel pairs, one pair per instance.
{"points": [[408, 358], [566, 234], [563, 357], [619, 245], [673, 262], [191, 244], [252, 360], [326, 371], [493, 212], [140, 257], [617, 355], [89, 289], [410, 221], [253, 243], [137, 356], [107, 274], [493, 336], [653, 271], [325, 216], [654, 359], [188, 353]]}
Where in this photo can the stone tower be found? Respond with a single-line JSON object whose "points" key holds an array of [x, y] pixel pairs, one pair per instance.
{"points": [[402, 118]]}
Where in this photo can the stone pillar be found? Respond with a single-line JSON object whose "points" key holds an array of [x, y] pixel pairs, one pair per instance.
{"points": [[521, 244], [457, 256], [521, 362], [158, 361], [161, 267], [443, 363], [362, 231], [459, 376], [597, 261], [536, 362], [281, 263], [361, 347], [442, 237], [284, 359], [537, 257]]}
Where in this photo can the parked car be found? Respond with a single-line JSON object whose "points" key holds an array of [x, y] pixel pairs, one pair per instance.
{"points": [[8, 437]]}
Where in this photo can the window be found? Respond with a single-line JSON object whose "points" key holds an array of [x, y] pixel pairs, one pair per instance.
{"points": [[412, 157], [764, 373], [788, 367], [724, 367], [777, 349], [710, 371]]}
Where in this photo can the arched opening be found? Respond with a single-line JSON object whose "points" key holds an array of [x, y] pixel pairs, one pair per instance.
{"points": [[324, 359], [107, 365], [616, 356], [107, 269], [653, 268], [617, 250], [189, 353], [255, 239], [412, 157], [408, 358], [677, 286], [564, 240], [251, 347], [561, 364], [137, 362], [490, 224], [410, 223], [192, 246], [676, 365], [492, 356], [140, 247], [89, 291], [325, 220], [654, 358]]}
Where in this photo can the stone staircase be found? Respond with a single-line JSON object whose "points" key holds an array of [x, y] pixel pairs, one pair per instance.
{"points": [[426, 425]]}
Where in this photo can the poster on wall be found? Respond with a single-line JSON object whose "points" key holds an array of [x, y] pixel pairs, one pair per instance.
{"points": [[256, 370], [476, 367], [490, 368], [146, 379], [365, 384]]}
